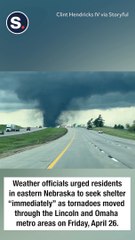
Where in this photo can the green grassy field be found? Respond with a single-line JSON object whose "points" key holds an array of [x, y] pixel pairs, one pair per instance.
{"points": [[12, 143], [117, 132]]}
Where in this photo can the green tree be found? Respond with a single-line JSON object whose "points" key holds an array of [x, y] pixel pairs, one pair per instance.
{"points": [[119, 126], [132, 127], [90, 124], [99, 122], [127, 126]]}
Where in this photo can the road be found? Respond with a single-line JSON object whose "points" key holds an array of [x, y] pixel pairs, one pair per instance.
{"points": [[79, 148], [22, 131]]}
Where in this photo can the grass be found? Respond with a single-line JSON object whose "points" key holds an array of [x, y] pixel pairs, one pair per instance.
{"points": [[117, 132], [11, 143]]}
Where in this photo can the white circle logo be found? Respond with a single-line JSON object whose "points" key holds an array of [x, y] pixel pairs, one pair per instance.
{"points": [[17, 22]]}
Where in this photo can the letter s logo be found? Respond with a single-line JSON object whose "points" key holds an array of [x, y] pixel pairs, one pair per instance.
{"points": [[17, 22]]}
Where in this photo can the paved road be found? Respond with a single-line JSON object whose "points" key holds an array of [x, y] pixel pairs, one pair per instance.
{"points": [[79, 148], [22, 131]]}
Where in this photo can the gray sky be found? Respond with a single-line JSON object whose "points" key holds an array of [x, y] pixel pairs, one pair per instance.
{"points": [[69, 44]]}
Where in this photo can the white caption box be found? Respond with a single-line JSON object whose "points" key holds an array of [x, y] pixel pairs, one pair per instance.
{"points": [[65, 203]]}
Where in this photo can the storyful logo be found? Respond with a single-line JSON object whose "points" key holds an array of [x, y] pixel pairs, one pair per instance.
{"points": [[17, 22]]}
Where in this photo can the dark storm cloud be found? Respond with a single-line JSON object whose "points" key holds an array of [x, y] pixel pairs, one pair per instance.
{"points": [[109, 100], [58, 92], [10, 102], [8, 81]]}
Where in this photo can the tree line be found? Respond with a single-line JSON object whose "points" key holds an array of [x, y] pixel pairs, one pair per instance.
{"points": [[131, 127], [99, 122]]}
